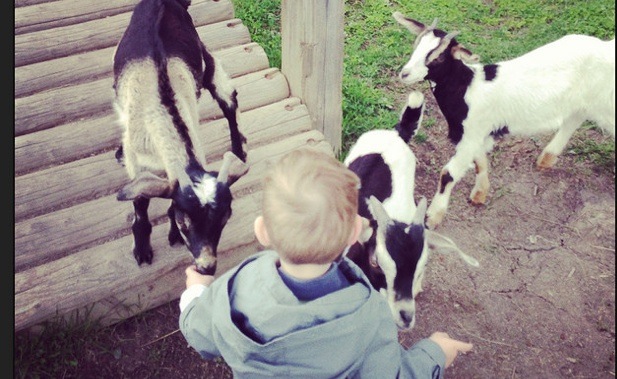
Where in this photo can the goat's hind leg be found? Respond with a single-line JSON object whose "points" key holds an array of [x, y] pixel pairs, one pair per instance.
{"points": [[554, 148], [142, 250], [218, 83]]}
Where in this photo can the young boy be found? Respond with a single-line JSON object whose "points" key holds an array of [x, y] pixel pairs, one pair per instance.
{"points": [[301, 309]]}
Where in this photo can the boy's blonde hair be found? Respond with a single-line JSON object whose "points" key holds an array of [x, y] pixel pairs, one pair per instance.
{"points": [[310, 203]]}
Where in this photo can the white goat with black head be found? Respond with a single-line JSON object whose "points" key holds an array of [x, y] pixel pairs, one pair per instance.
{"points": [[160, 66], [393, 252], [555, 87]]}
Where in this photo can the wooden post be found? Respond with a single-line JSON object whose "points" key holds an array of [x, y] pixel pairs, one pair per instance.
{"points": [[312, 61]]}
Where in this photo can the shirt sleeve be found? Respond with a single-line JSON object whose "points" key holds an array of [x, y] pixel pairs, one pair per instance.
{"points": [[189, 294], [196, 324], [425, 359]]}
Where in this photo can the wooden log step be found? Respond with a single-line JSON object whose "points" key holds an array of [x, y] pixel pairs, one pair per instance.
{"points": [[48, 109], [74, 69], [101, 33], [108, 271], [100, 175], [67, 12]]}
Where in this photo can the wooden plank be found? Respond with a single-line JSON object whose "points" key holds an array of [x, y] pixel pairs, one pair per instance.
{"points": [[101, 33], [54, 235], [312, 60], [48, 109], [74, 69], [24, 3], [100, 175], [65, 143], [45, 110], [108, 271], [67, 12]]}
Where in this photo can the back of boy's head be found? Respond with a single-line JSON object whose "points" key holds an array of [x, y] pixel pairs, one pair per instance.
{"points": [[310, 203]]}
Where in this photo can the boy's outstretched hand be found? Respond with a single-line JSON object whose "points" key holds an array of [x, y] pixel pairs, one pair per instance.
{"points": [[450, 347], [194, 277]]}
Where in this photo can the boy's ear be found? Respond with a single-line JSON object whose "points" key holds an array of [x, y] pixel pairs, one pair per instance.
{"points": [[359, 226], [260, 231]]}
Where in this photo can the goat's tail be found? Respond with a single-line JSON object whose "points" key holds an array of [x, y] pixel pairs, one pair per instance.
{"points": [[411, 117]]}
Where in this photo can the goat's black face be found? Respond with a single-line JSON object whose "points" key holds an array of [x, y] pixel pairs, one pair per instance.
{"points": [[201, 213], [401, 256]]}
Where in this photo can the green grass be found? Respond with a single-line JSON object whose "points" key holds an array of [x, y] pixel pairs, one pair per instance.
{"points": [[53, 350], [376, 46]]}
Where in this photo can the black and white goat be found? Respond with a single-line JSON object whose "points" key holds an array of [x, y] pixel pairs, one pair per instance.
{"points": [[555, 87], [160, 66], [394, 252]]}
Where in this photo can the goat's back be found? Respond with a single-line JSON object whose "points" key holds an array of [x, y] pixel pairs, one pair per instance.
{"points": [[570, 78], [385, 165]]}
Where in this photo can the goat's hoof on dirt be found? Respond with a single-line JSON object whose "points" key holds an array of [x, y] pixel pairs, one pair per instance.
{"points": [[546, 161], [433, 221], [478, 197]]}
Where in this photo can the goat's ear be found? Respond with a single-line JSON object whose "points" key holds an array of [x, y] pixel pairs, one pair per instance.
{"points": [[439, 242], [147, 185], [418, 217], [367, 231], [415, 27], [462, 54], [378, 212], [232, 169]]}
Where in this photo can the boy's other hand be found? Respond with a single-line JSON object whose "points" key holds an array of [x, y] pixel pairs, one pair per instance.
{"points": [[450, 347], [194, 277]]}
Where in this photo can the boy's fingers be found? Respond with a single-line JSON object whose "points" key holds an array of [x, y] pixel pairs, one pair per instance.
{"points": [[464, 347]]}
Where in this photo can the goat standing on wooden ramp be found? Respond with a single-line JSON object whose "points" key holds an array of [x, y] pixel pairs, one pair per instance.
{"points": [[555, 87], [160, 66], [394, 250]]}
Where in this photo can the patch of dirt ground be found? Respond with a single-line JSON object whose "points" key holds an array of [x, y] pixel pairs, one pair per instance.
{"points": [[541, 304]]}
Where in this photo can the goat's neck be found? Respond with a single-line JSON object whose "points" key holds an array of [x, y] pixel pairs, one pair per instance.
{"points": [[449, 83], [191, 172]]}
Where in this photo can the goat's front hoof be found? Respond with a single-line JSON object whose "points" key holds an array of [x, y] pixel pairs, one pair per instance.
{"points": [[120, 156], [433, 221], [143, 255], [546, 161], [478, 197]]}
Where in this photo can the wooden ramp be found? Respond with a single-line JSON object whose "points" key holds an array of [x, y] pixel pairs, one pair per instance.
{"points": [[72, 237]]}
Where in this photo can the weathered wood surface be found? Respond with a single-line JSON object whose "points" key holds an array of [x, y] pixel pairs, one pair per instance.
{"points": [[72, 237], [100, 33], [66, 12], [312, 60]]}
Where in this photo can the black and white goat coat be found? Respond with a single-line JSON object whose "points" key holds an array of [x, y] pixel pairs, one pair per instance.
{"points": [[393, 251], [160, 67], [554, 88]]}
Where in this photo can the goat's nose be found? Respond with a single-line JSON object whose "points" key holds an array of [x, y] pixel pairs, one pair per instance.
{"points": [[206, 262], [404, 75], [406, 317]]}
